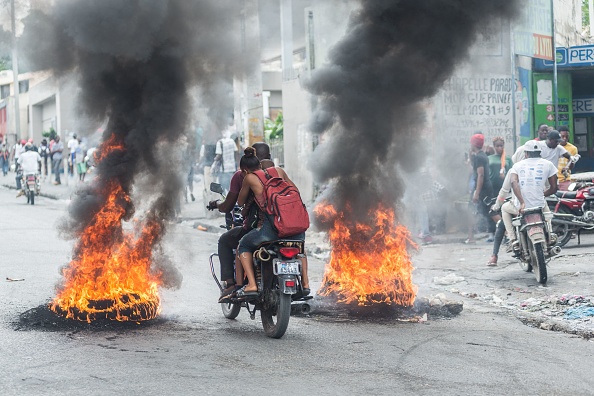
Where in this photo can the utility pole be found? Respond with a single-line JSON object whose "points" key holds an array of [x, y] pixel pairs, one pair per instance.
{"points": [[15, 73]]}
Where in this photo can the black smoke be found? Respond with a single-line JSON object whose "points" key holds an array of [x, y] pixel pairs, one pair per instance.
{"points": [[394, 55], [137, 62]]}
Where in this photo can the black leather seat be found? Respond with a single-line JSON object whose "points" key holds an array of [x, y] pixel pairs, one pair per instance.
{"points": [[566, 194]]}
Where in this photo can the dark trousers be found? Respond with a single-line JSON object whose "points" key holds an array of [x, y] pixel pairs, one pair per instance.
{"points": [[499, 235], [57, 167], [227, 242]]}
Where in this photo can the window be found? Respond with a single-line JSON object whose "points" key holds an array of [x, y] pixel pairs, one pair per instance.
{"points": [[4, 91], [24, 86]]}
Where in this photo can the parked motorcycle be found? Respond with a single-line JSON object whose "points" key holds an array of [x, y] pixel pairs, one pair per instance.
{"points": [[536, 243], [573, 211], [277, 266], [31, 186]]}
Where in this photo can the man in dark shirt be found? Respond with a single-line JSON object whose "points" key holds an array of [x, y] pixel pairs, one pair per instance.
{"points": [[229, 240], [483, 192]]}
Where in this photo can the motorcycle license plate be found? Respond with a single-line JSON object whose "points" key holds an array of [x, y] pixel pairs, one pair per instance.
{"points": [[532, 218], [287, 267], [534, 230]]}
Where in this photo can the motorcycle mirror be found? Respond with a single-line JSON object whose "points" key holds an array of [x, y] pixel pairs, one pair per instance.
{"points": [[217, 188]]}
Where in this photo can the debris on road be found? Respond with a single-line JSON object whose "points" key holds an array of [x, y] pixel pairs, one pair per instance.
{"points": [[14, 279], [448, 279]]}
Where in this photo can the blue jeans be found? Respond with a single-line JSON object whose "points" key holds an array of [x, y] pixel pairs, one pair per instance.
{"points": [[266, 233], [4, 163]]}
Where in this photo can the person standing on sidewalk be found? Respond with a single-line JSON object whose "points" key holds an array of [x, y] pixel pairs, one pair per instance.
{"points": [[72, 145], [564, 173], [4, 158], [44, 152], [56, 151], [225, 152], [483, 190]]}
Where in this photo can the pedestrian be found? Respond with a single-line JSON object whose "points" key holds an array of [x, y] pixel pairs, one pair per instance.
{"points": [[541, 134], [225, 154], [499, 164], [4, 158], [79, 158], [564, 177], [56, 152], [72, 145], [17, 150], [483, 190], [44, 152]]}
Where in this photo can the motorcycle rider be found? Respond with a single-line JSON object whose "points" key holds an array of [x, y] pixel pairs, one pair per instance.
{"points": [[528, 181], [30, 161], [230, 239], [266, 232]]}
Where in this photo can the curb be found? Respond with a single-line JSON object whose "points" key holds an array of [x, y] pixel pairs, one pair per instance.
{"points": [[41, 194]]}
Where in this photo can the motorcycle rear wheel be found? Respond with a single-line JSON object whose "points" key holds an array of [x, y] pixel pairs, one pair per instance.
{"points": [[230, 310], [282, 311], [539, 262], [32, 197]]}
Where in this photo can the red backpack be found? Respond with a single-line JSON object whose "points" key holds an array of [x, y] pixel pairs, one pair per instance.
{"points": [[284, 203]]}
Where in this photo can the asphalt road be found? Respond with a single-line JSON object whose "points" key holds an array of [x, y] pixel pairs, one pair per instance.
{"points": [[193, 349]]}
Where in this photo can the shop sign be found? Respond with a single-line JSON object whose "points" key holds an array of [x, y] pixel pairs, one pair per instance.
{"points": [[583, 106]]}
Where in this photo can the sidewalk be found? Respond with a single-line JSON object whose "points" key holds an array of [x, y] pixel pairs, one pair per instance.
{"points": [[192, 212]]}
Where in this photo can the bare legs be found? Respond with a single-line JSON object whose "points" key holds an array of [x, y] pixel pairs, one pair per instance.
{"points": [[247, 267], [304, 277], [247, 262]]}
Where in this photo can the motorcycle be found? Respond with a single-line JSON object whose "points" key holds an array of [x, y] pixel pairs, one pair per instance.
{"points": [[31, 186], [277, 267], [573, 211], [536, 243]]}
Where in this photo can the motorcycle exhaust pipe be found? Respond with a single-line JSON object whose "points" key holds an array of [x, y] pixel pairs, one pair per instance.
{"points": [[300, 309], [575, 223], [555, 250]]}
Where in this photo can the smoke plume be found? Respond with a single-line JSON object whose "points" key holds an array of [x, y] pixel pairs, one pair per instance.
{"points": [[136, 61], [395, 54]]}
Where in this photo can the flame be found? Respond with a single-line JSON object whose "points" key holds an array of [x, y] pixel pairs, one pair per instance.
{"points": [[369, 263], [109, 276]]}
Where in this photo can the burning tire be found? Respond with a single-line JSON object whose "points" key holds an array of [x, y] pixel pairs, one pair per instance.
{"points": [[126, 309], [281, 308]]}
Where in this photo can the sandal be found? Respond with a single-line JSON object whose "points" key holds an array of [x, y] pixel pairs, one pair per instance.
{"points": [[228, 293], [492, 261], [241, 293], [470, 241]]}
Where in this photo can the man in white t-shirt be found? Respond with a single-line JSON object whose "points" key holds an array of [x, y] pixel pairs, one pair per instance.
{"points": [[550, 150], [30, 161], [72, 145], [528, 181], [225, 152]]}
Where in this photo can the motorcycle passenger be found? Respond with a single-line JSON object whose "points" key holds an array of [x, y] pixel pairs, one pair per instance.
{"points": [[230, 239], [30, 161], [528, 181], [249, 163]]}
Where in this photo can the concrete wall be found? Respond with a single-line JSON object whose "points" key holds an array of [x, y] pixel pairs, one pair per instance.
{"points": [[297, 140], [568, 23], [329, 22]]}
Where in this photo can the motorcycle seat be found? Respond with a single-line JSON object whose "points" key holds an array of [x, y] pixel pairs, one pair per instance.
{"points": [[566, 194]]}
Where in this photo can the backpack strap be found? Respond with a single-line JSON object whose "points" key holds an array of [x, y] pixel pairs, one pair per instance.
{"points": [[261, 175]]}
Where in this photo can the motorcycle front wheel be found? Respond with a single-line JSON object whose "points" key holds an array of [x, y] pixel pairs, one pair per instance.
{"points": [[538, 260], [280, 310], [230, 310]]}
